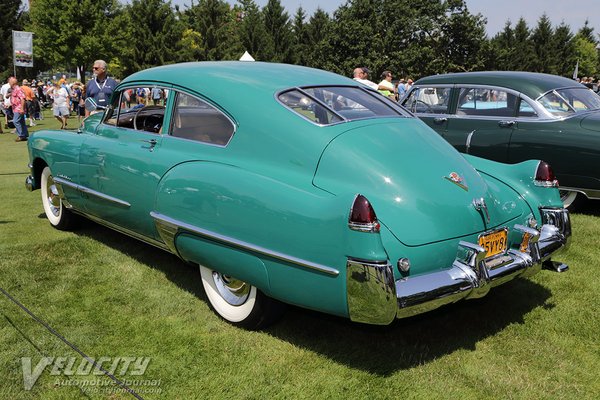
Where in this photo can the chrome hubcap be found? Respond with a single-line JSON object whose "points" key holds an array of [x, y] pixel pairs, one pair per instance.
{"points": [[233, 291], [53, 198], [567, 197]]}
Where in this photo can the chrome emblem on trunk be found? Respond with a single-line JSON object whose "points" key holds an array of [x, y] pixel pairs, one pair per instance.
{"points": [[457, 180]]}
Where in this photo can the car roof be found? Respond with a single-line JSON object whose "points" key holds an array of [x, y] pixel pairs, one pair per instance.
{"points": [[226, 79], [531, 84]]}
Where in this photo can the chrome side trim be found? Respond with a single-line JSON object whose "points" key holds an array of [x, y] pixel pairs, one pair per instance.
{"points": [[592, 194], [63, 182], [122, 230], [169, 228], [371, 291], [468, 143]]}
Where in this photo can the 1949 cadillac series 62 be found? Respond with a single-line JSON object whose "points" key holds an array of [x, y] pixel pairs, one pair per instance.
{"points": [[511, 116], [287, 184]]}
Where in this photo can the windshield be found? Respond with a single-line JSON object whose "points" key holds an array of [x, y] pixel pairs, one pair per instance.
{"points": [[564, 102]]}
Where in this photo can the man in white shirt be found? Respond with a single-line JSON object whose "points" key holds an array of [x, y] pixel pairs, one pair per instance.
{"points": [[361, 75]]}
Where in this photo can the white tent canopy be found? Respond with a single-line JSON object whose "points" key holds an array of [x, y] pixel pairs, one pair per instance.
{"points": [[246, 57]]}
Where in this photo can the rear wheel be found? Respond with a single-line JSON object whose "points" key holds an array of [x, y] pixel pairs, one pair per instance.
{"points": [[571, 200], [238, 302], [56, 212]]}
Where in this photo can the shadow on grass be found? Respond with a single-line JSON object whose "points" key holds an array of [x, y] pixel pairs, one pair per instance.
{"points": [[380, 350], [590, 207], [184, 275]]}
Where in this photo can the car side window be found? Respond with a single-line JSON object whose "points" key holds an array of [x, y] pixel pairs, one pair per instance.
{"points": [[134, 109], [429, 100], [486, 102], [195, 119], [526, 110], [308, 108]]}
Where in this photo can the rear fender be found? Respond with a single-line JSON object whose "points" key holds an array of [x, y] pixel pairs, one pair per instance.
{"points": [[520, 178], [285, 239]]}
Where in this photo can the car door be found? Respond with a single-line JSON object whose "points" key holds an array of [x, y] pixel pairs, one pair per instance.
{"points": [[122, 163], [431, 104], [483, 121]]}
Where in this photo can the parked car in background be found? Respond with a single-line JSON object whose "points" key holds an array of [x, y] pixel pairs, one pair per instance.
{"points": [[295, 185], [515, 116]]}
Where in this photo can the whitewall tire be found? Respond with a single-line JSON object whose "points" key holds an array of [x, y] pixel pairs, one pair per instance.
{"points": [[56, 212], [238, 302]]}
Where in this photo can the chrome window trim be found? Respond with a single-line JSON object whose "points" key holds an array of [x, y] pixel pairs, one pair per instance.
{"points": [[177, 91], [122, 89], [575, 112], [169, 228], [435, 86], [86, 190], [542, 113], [401, 111]]}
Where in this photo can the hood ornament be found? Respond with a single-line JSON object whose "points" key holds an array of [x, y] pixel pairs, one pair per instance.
{"points": [[457, 180], [480, 206]]}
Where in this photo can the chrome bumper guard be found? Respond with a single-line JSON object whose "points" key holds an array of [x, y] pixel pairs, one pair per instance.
{"points": [[374, 297], [29, 181]]}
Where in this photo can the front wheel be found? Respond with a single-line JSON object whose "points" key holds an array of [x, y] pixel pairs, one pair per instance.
{"points": [[56, 212], [238, 302]]}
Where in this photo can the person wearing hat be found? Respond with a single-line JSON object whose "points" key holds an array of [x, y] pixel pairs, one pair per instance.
{"points": [[29, 96]]}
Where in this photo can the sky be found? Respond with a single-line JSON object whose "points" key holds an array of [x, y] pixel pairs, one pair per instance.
{"points": [[497, 12]]}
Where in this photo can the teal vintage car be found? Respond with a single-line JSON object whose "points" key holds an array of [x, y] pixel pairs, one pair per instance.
{"points": [[288, 184], [512, 116]]}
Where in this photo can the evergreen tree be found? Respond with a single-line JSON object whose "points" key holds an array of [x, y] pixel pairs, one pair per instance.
{"points": [[318, 32], [503, 45], [564, 46], [301, 41], [279, 33], [542, 41], [211, 19], [251, 29], [524, 56]]}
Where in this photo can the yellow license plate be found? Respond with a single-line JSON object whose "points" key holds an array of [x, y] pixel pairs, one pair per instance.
{"points": [[494, 243]]}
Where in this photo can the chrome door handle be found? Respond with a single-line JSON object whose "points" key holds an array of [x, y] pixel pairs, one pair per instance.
{"points": [[152, 143], [440, 120], [506, 124]]}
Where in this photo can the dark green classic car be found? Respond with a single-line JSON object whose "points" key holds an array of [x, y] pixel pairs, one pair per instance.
{"points": [[293, 185], [515, 116]]}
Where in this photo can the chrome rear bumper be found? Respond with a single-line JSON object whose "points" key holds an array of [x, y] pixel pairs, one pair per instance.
{"points": [[374, 297]]}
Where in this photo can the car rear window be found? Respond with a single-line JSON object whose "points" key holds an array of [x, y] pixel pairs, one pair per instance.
{"points": [[333, 104]]}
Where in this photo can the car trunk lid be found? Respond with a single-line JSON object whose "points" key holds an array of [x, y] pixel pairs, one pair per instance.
{"points": [[420, 187]]}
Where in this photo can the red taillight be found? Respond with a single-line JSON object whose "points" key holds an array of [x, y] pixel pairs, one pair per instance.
{"points": [[362, 216], [544, 176]]}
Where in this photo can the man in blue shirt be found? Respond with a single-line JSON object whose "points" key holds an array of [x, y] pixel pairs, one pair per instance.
{"points": [[101, 87]]}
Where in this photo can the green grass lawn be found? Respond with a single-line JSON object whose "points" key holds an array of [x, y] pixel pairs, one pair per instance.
{"points": [[113, 296]]}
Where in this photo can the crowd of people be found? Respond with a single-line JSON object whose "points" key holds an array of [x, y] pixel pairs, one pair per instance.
{"points": [[22, 103], [387, 87]]}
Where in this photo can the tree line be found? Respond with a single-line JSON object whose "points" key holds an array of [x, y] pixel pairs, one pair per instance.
{"points": [[409, 37]]}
